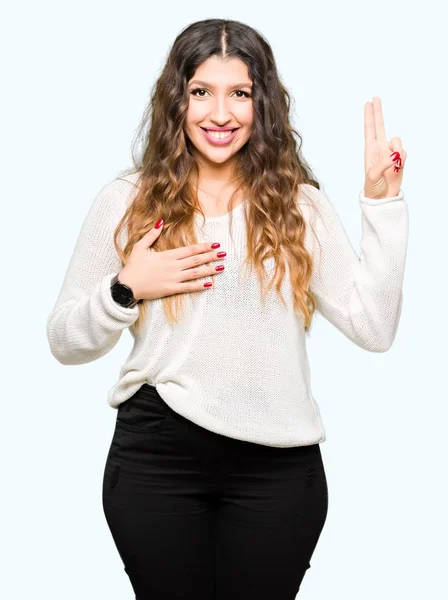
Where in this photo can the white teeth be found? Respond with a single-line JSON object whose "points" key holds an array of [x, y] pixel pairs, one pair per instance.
{"points": [[219, 135]]}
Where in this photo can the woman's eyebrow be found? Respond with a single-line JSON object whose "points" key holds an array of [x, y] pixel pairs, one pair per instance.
{"points": [[210, 85]]}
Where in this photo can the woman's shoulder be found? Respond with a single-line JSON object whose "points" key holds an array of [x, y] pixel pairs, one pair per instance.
{"points": [[119, 191], [310, 194], [132, 178], [313, 201]]}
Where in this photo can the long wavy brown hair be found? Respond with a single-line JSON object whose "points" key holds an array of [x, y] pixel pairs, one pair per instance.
{"points": [[269, 167]]}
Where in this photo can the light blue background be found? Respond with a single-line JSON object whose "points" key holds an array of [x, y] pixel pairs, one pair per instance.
{"points": [[76, 77]]}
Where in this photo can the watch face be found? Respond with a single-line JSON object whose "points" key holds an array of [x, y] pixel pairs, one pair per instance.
{"points": [[122, 294]]}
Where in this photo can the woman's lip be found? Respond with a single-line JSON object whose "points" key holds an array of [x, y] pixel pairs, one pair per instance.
{"points": [[211, 129], [218, 142]]}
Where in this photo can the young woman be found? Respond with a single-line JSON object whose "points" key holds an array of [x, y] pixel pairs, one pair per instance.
{"points": [[215, 250]]}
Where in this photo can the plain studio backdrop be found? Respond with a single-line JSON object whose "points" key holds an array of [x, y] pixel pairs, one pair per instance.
{"points": [[76, 77]]}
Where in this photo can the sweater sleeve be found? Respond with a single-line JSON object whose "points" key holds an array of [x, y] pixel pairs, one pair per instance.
{"points": [[86, 322], [360, 295]]}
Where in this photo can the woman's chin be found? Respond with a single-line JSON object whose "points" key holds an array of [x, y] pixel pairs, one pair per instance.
{"points": [[216, 155]]}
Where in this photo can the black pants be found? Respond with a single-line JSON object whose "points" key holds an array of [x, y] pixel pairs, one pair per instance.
{"points": [[198, 515]]}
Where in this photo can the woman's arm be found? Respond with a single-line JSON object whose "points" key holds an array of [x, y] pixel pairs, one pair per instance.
{"points": [[86, 322], [361, 296]]}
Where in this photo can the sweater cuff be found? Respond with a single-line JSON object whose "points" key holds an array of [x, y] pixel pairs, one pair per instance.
{"points": [[365, 200], [125, 315]]}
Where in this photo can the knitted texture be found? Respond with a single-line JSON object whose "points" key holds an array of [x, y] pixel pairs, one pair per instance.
{"points": [[235, 364]]}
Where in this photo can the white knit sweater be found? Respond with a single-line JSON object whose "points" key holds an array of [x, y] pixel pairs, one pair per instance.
{"points": [[234, 365]]}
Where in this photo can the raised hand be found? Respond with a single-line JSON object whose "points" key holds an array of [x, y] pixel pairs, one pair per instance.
{"points": [[383, 160]]}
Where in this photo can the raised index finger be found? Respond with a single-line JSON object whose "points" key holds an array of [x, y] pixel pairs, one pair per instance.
{"points": [[369, 122], [379, 121]]}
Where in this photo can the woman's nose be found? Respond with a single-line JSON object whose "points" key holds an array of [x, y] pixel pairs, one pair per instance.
{"points": [[220, 112]]}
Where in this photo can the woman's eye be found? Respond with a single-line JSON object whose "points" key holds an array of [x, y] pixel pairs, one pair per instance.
{"points": [[196, 90], [246, 94]]}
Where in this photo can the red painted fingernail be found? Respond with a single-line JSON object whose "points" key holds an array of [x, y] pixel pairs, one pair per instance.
{"points": [[395, 155], [208, 284], [216, 245], [158, 225], [396, 169], [398, 162]]}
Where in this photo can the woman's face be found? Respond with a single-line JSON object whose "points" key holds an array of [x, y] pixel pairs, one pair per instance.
{"points": [[221, 98]]}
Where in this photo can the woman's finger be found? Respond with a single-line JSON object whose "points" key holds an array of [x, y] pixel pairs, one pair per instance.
{"points": [[379, 120], [402, 161], [395, 145], [369, 123]]}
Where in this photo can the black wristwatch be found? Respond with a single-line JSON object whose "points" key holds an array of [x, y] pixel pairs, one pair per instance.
{"points": [[122, 294]]}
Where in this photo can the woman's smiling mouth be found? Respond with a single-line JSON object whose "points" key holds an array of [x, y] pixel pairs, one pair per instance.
{"points": [[219, 137]]}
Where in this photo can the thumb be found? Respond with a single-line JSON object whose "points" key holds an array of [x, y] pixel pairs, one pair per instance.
{"points": [[376, 171], [150, 236]]}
